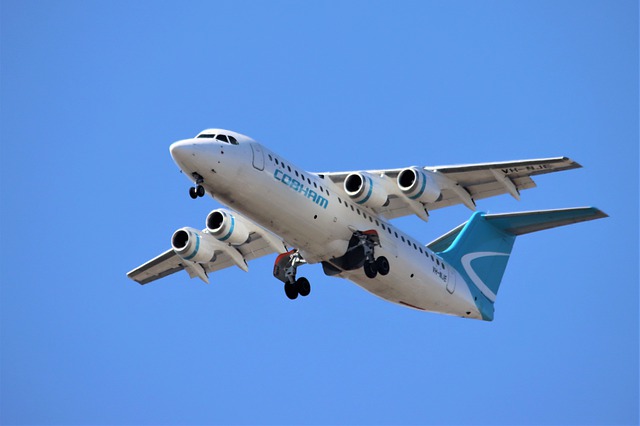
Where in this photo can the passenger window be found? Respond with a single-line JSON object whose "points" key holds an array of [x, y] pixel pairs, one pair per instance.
{"points": [[297, 174], [402, 239], [222, 138], [289, 167], [351, 208], [270, 157]]}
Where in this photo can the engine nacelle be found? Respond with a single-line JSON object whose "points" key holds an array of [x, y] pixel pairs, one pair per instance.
{"points": [[191, 244], [416, 185], [226, 227], [364, 189]]}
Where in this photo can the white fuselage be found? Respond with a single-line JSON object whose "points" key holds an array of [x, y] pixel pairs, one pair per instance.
{"points": [[309, 212]]}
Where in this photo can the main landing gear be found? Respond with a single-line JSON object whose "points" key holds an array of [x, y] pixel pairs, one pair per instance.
{"points": [[285, 270], [360, 254], [372, 266], [198, 190]]}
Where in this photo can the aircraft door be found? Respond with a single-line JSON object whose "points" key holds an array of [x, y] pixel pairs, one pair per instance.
{"points": [[451, 280], [258, 156]]}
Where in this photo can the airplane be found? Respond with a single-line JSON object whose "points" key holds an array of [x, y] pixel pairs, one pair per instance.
{"points": [[342, 220]]}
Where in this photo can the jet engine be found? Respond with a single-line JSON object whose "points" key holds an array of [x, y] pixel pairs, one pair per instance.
{"points": [[191, 244], [226, 227], [363, 189], [416, 185]]}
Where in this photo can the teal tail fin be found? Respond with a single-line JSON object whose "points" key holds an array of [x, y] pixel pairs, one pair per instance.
{"points": [[480, 248]]}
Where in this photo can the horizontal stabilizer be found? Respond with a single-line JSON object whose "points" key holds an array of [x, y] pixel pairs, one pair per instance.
{"points": [[525, 222]]}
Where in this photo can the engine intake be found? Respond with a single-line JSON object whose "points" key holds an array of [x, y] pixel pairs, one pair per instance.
{"points": [[191, 244], [227, 228], [363, 189], [416, 185]]}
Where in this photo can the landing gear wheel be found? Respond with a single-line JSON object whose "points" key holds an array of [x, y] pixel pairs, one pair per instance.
{"points": [[303, 286], [285, 269], [291, 291], [200, 191], [370, 269], [193, 193], [382, 264]]}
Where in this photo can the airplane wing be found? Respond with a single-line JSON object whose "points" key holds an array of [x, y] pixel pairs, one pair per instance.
{"points": [[260, 243], [463, 184]]}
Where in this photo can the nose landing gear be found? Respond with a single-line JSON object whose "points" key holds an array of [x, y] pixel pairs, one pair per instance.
{"points": [[198, 190]]}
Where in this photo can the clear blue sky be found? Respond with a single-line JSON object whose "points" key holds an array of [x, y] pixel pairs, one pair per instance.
{"points": [[93, 93]]}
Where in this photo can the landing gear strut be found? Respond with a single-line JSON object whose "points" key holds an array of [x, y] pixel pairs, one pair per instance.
{"points": [[198, 190], [361, 254], [285, 269]]}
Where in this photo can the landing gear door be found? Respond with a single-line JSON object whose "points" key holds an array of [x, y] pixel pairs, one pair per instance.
{"points": [[258, 156]]}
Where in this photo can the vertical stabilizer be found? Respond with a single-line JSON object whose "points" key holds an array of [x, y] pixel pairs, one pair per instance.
{"points": [[479, 249], [480, 253]]}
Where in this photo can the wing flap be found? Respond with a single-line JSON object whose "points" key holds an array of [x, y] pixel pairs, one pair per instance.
{"points": [[159, 267], [466, 173]]}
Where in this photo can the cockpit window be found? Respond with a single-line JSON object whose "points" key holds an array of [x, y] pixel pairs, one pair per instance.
{"points": [[219, 137]]}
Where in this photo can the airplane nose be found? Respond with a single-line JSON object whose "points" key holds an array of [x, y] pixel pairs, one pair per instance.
{"points": [[180, 150]]}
